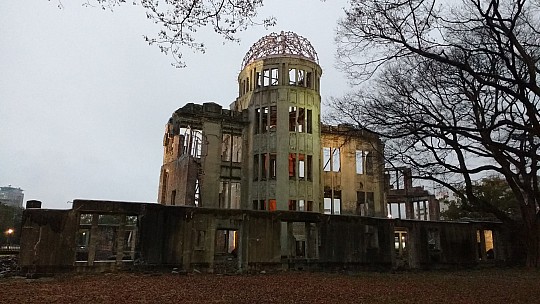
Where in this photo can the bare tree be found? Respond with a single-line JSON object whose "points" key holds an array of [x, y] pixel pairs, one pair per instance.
{"points": [[179, 20], [453, 90]]}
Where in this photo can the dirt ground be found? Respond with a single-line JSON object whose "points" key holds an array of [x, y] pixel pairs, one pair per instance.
{"points": [[475, 286]]}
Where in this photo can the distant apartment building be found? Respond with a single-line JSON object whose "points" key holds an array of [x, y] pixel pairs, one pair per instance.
{"points": [[11, 196]]}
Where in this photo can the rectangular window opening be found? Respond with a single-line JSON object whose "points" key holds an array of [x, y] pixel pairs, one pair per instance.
{"points": [[308, 80], [326, 159], [224, 195], [264, 168], [226, 147], [309, 167], [264, 119], [327, 202], [301, 120], [266, 78], [361, 206], [301, 78], [369, 162], [301, 166], [337, 202], [258, 80], [235, 195], [272, 205], [292, 119], [292, 205], [257, 126], [273, 118], [274, 75], [173, 197], [236, 149], [309, 123], [226, 241], [336, 164], [359, 162], [310, 206], [273, 165], [292, 165], [292, 77]]}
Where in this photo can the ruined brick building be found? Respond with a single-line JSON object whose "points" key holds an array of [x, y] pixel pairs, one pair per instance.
{"points": [[270, 150], [264, 185]]}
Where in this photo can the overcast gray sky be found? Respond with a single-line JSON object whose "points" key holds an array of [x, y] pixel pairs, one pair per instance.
{"points": [[84, 100]]}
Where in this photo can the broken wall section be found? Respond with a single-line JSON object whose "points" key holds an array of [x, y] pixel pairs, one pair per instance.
{"points": [[108, 236], [352, 172], [203, 153]]}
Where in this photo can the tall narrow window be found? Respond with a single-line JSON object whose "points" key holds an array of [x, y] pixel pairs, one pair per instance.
{"points": [[309, 122], [309, 206], [326, 159], [308, 80], [292, 76], [265, 164], [266, 78], [248, 88], [235, 195], [258, 80], [336, 163], [301, 120], [256, 167], [337, 202], [292, 119], [273, 118], [173, 197], [359, 162], [309, 167], [301, 166], [301, 78], [224, 195], [257, 120], [301, 205], [264, 119], [369, 163], [273, 167], [370, 198], [226, 147], [361, 203], [274, 77], [327, 201], [236, 148], [292, 165]]}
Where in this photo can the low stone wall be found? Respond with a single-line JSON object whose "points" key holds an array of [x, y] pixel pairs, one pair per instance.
{"points": [[112, 236]]}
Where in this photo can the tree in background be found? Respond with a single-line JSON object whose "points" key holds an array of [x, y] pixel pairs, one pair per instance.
{"points": [[493, 191], [452, 88], [179, 21], [10, 218]]}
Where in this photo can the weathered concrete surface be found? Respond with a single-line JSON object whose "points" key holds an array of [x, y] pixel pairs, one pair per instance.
{"points": [[48, 240], [192, 238]]}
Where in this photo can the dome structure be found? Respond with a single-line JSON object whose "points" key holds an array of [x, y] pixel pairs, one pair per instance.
{"points": [[284, 43]]}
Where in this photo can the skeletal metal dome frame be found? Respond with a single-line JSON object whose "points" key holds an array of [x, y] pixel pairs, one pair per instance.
{"points": [[284, 43]]}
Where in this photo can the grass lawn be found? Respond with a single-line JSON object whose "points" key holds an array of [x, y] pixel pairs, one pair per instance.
{"points": [[474, 286]]}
